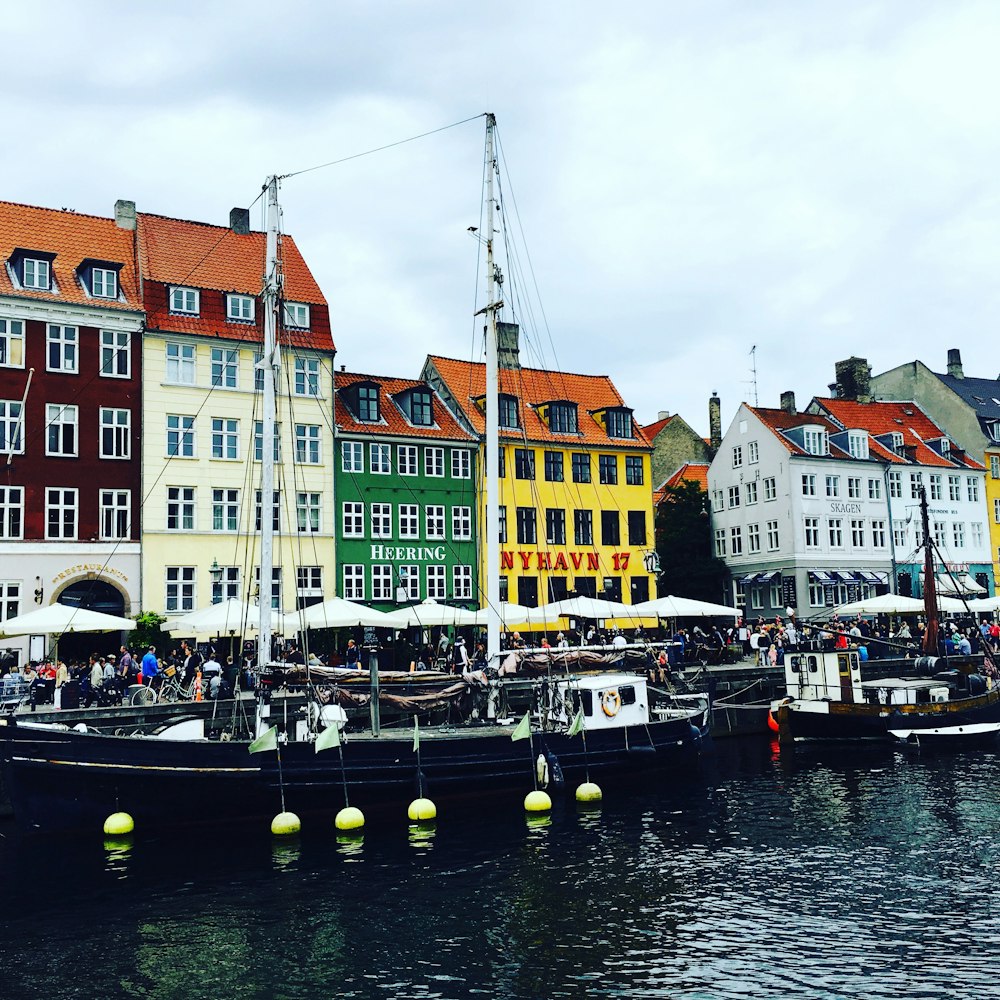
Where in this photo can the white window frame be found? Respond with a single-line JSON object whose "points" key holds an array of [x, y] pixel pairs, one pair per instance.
{"points": [[382, 589], [65, 340], [936, 491], [874, 489], [104, 283], [227, 587], [809, 484], [11, 343], [10, 599], [461, 524], [275, 510], [352, 456], [753, 453], [116, 515], [811, 528], [896, 485], [958, 534], [225, 439], [381, 520], [258, 441], [972, 486], [437, 582], [225, 369], [833, 486], [434, 463], [11, 427], [434, 523], [308, 511], [409, 580], [407, 460], [38, 275], [353, 519], [62, 499], [296, 315], [751, 488], [225, 509], [857, 532], [180, 431], [240, 308], [738, 457], [380, 458], [182, 508], [305, 380], [736, 540], [184, 301], [720, 543], [835, 532], [60, 418], [734, 497], [878, 534], [954, 488], [307, 444], [409, 520], [353, 575], [308, 583], [111, 419], [753, 538], [461, 464], [180, 591], [11, 513], [461, 588], [773, 536], [854, 487], [116, 354], [770, 489], [180, 363]]}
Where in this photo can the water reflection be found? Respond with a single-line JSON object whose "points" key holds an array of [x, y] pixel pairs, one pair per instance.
{"points": [[286, 853], [421, 835], [350, 845]]}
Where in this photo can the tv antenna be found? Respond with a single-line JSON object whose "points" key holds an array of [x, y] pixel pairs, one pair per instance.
{"points": [[753, 373]]}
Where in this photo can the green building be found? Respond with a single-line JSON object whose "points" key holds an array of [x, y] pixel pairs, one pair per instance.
{"points": [[404, 484]]}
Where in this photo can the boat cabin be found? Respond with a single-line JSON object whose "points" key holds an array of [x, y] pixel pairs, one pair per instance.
{"points": [[904, 691], [824, 676], [609, 701]]}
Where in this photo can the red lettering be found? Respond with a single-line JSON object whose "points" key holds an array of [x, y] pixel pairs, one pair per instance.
{"points": [[506, 560], [544, 560], [577, 558], [614, 561], [593, 562], [624, 560], [525, 560], [561, 561]]}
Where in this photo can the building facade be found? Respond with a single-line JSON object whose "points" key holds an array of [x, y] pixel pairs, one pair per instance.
{"points": [[405, 483], [675, 443]]}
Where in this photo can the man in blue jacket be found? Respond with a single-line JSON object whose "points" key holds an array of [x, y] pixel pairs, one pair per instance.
{"points": [[150, 667]]}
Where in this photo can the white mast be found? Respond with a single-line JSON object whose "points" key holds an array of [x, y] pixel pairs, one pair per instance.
{"points": [[492, 420]]}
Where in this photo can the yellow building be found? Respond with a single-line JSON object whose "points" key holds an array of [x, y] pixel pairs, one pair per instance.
{"points": [[992, 462], [576, 513]]}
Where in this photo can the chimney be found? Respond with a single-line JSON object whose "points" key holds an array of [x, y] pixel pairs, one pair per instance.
{"points": [[663, 414], [788, 402], [125, 214], [854, 379], [508, 351], [955, 363], [239, 221], [715, 422]]}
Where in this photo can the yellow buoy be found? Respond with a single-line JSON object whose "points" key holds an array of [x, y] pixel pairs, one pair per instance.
{"points": [[285, 824], [589, 792], [422, 810], [537, 802], [118, 824], [350, 818]]}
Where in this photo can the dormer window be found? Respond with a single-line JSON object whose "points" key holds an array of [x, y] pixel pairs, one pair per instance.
{"points": [[508, 411], [368, 408], [857, 444], [618, 422], [562, 418], [239, 308], [184, 301], [816, 441], [993, 429], [99, 278], [32, 269], [36, 273], [945, 447], [297, 315], [421, 410], [897, 442]]}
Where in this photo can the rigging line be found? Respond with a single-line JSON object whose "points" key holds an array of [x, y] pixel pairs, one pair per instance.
{"points": [[379, 149]]}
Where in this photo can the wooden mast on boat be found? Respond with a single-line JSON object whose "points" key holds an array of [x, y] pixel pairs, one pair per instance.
{"points": [[930, 582]]}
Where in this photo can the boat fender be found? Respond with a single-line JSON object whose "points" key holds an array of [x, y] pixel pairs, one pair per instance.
{"points": [[542, 770], [556, 777], [611, 702], [772, 718]]}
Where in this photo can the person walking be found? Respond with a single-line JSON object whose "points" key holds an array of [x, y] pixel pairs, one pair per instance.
{"points": [[150, 668]]}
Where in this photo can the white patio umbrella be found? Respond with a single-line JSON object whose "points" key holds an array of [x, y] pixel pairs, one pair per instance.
{"points": [[521, 616], [430, 613], [232, 615], [984, 605], [58, 619], [684, 607], [591, 607], [894, 604], [336, 613]]}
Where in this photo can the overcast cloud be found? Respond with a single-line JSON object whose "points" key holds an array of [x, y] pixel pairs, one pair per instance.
{"points": [[816, 179]]}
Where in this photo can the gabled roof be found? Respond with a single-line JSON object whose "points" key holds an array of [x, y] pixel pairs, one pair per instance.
{"points": [[651, 430], [781, 420], [466, 382], [981, 394], [73, 238], [689, 472], [394, 422]]}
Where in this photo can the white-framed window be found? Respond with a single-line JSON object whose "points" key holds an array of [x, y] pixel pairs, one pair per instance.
{"points": [[899, 534], [437, 589], [462, 583], [116, 514], [354, 582], [409, 520], [275, 510], [972, 487], [751, 493], [409, 580], [858, 533], [406, 459], [37, 273], [11, 512], [382, 582], [307, 444], [816, 442], [227, 587], [835, 532], [935, 486], [854, 487], [308, 585], [180, 588], [977, 533], [61, 513], [10, 599], [958, 534], [258, 372], [297, 315], [61, 430], [874, 489], [738, 457], [275, 585], [258, 441], [184, 300], [434, 462], [940, 530], [916, 482], [736, 540], [180, 508], [225, 509], [180, 364], [11, 437], [381, 519], [12, 343], [896, 485], [354, 519], [116, 433], [772, 536], [757, 597], [734, 496], [103, 283], [770, 489], [240, 308], [352, 456], [996, 511], [225, 438], [307, 507], [718, 500], [808, 484], [833, 486], [225, 367], [306, 380], [878, 535], [434, 521], [995, 466], [116, 361], [954, 487], [461, 523], [812, 532], [720, 542], [817, 595], [857, 444], [753, 538], [380, 458], [461, 464], [180, 436], [753, 453], [776, 601], [62, 344]]}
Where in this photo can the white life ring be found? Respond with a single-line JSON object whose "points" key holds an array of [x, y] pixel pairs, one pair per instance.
{"points": [[611, 702]]}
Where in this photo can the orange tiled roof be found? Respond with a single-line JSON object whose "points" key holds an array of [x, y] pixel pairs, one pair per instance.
{"points": [[466, 381], [690, 472], [651, 430], [780, 420], [394, 422], [73, 238]]}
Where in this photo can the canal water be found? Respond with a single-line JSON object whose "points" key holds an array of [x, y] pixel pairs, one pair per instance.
{"points": [[814, 874]]}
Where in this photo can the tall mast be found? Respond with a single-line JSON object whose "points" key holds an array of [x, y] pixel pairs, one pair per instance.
{"points": [[930, 582], [492, 419]]}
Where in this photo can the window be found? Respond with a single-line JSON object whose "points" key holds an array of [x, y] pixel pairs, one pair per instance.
{"points": [[874, 489], [757, 597], [738, 457], [896, 485], [297, 315], [225, 438], [11, 511], [772, 536], [720, 543], [935, 486], [421, 409], [555, 526], [368, 408], [734, 496], [382, 582], [977, 534], [718, 500], [61, 354], [508, 411], [583, 527], [11, 439], [940, 533], [812, 532], [461, 464], [436, 585], [954, 487], [618, 422], [610, 528], [878, 534], [857, 444], [853, 487], [409, 520], [972, 487], [380, 458], [633, 470], [306, 376], [562, 418], [103, 283], [307, 444], [60, 513], [434, 521], [770, 489], [503, 522], [817, 595], [381, 518], [736, 540], [184, 300], [180, 364], [808, 485], [225, 509], [816, 442], [12, 343], [857, 533], [524, 463], [899, 533], [607, 466], [115, 359], [180, 436], [116, 433], [916, 483], [833, 486], [958, 535], [835, 528], [36, 273], [434, 462], [409, 580], [354, 582], [751, 489], [115, 513], [462, 583], [753, 453], [10, 600], [240, 308], [753, 538], [581, 467], [354, 519], [258, 372], [275, 585], [553, 466], [180, 508], [227, 587], [461, 523], [225, 364], [526, 528], [61, 430], [180, 589], [995, 466], [275, 510], [406, 459], [502, 456], [307, 511], [637, 527], [352, 456], [996, 511]]}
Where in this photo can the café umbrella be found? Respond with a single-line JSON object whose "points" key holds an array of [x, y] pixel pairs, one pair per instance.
{"points": [[58, 619]]}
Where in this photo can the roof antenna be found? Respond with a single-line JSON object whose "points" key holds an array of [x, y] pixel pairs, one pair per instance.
{"points": [[753, 373]]}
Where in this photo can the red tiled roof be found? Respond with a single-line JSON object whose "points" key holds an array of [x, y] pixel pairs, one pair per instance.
{"points": [[690, 472], [394, 422], [651, 430], [466, 381], [73, 238], [782, 420]]}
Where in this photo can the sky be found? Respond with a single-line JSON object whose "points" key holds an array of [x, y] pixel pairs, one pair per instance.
{"points": [[687, 181]]}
